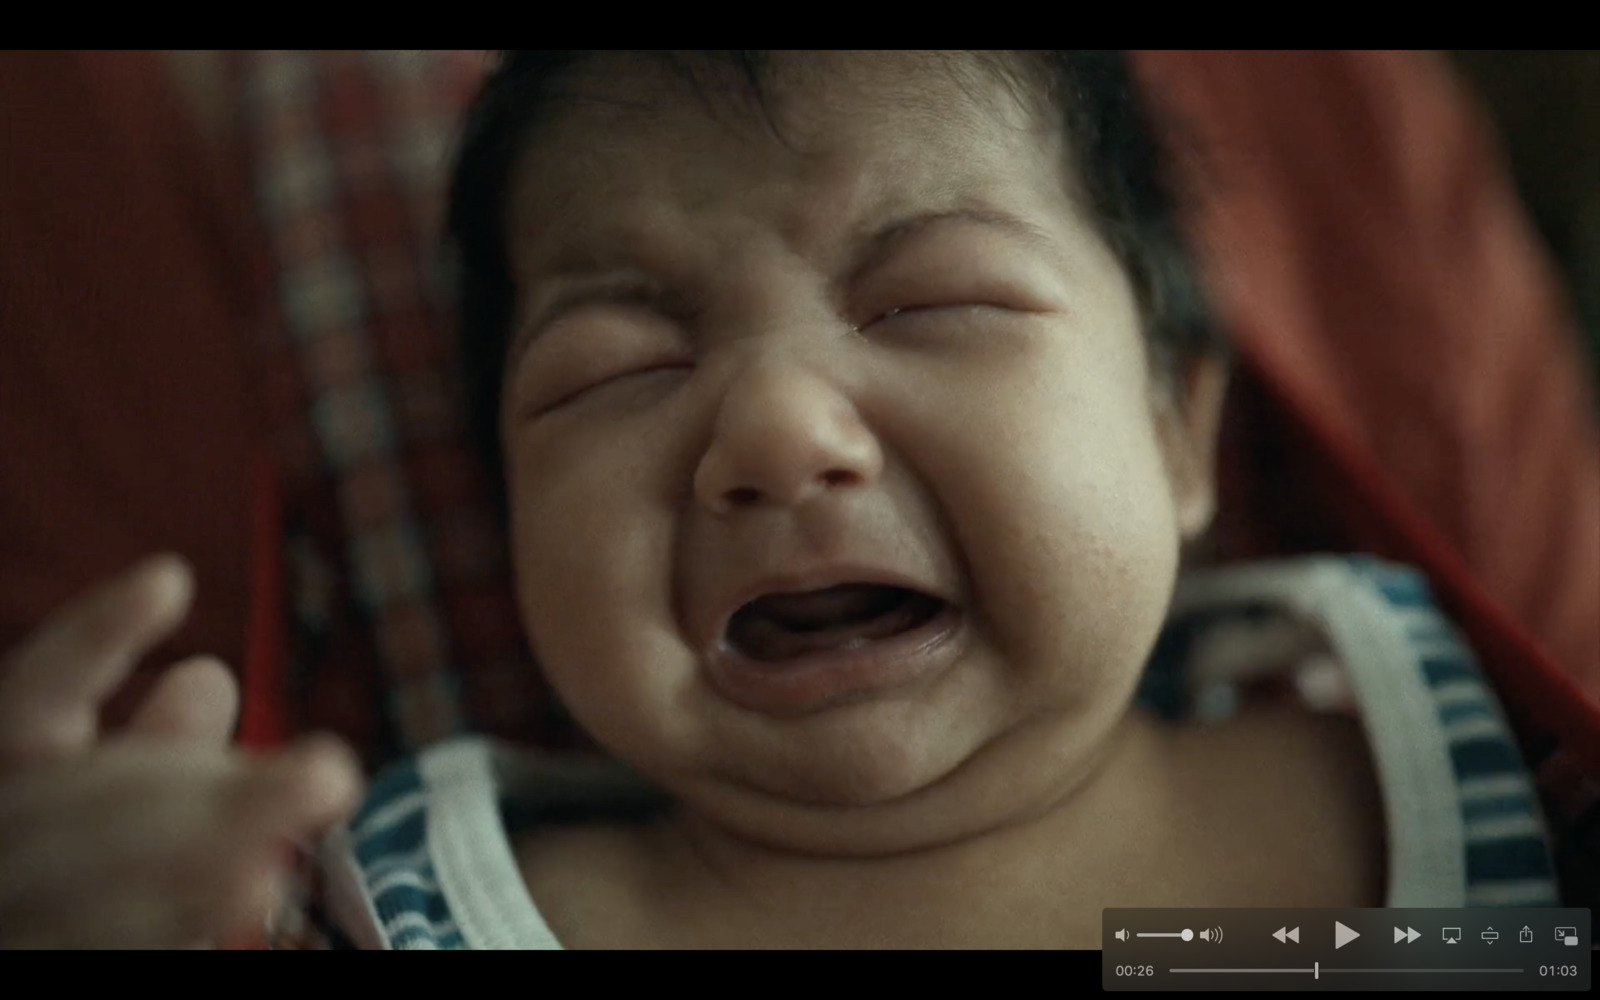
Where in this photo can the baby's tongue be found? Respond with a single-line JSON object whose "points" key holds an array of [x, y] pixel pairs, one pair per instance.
{"points": [[782, 626], [815, 609]]}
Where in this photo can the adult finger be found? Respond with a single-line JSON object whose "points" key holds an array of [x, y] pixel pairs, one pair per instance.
{"points": [[196, 701], [52, 686]]}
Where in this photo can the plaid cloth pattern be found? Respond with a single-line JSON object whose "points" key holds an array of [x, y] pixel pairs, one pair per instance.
{"points": [[405, 625]]}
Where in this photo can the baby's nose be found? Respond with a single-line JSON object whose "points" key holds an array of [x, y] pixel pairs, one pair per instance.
{"points": [[784, 436]]}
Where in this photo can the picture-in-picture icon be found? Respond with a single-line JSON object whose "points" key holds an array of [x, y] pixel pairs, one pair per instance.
{"points": [[1452, 935], [1567, 936]]}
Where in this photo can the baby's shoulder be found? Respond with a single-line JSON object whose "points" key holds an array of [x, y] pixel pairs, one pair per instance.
{"points": [[1286, 802]]}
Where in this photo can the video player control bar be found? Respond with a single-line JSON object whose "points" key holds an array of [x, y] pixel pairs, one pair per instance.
{"points": [[1380, 949]]}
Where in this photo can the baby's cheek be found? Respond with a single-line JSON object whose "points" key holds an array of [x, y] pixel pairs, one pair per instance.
{"points": [[1075, 561], [559, 550], [592, 562]]}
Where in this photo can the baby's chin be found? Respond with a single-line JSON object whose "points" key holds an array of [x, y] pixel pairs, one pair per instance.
{"points": [[872, 795], [872, 753], [857, 774], [889, 792]]}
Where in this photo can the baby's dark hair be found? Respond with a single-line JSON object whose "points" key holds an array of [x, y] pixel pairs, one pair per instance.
{"points": [[1118, 160]]}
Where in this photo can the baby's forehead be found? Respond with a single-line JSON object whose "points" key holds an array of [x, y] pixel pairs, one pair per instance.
{"points": [[801, 95], [826, 140]]}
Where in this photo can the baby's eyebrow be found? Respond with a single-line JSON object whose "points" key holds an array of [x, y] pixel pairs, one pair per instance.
{"points": [[576, 288], [882, 240]]}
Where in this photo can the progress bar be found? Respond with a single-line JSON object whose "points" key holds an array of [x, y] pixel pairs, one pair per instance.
{"points": [[1316, 970]]}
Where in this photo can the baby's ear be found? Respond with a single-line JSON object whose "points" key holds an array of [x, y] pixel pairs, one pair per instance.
{"points": [[1188, 412]]}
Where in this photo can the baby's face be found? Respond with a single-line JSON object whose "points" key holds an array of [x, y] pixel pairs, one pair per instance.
{"points": [[840, 490]]}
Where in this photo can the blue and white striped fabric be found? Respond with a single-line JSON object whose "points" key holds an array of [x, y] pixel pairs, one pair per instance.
{"points": [[426, 863], [1508, 857], [1464, 822], [388, 839]]}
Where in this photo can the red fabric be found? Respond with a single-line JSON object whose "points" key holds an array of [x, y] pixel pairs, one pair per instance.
{"points": [[1409, 382], [1375, 271], [127, 294], [264, 715]]}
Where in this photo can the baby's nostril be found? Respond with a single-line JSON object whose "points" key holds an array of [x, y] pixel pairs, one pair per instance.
{"points": [[838, 477], [743, 496]]}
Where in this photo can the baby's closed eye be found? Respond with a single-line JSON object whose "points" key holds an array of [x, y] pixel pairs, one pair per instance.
{"points": [[936, 312], [598, 346]]}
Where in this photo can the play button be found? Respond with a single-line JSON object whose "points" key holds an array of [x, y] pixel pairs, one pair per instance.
{"points": [[1343, 935], [1409, 934]]}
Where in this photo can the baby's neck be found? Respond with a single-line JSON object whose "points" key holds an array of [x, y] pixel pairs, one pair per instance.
{"points": [[1040, 879], [1277, 808]]}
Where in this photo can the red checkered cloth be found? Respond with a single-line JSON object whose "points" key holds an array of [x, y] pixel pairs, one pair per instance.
{"points": [[404, 627]]}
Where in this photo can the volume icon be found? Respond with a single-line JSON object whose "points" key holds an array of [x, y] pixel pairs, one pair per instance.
{"points": [[1121, 935], [1212, 934]]}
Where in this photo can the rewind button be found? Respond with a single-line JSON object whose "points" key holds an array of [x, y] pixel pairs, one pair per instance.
{"points": [[1285, 934]]}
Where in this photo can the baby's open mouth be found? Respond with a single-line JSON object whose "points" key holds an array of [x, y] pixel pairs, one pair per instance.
{"points": [[780, 627]]}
